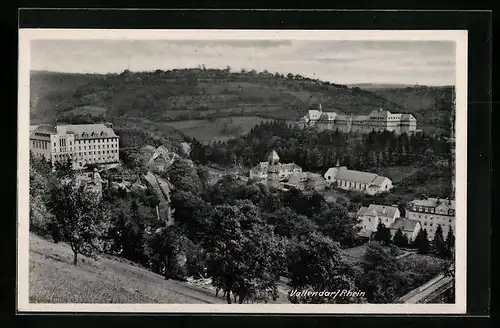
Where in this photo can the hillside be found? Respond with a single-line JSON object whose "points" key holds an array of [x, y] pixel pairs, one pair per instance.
{"points": [[54, 279], [200, 97]]}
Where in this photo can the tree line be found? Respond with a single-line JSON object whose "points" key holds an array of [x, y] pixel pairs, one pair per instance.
{"points": [[317, 151]]}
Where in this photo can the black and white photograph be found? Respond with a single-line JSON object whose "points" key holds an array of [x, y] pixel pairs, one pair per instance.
{"points": [[242, 171]]}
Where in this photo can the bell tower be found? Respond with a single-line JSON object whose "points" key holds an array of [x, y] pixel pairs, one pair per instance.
{"points": [[273, 168]]}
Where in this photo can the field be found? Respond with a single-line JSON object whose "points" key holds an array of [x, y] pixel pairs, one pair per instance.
{"points": [[54, 279], [207, 131]]}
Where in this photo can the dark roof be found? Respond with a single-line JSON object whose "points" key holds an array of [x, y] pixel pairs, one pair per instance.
{"points": [[378, 210], [404, 224]]}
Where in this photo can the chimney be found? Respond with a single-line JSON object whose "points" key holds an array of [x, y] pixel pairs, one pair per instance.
{"points": [[320, 108], [109, 125], [338, 164]]}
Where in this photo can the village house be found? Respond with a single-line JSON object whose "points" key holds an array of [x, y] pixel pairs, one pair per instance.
{"points": [[377, 120], [369, 218], [432, 212], [82, 144], [368, 183], [161, 159], [409, 228], [305, 181]]}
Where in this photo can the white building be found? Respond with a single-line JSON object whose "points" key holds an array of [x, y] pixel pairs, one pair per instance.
{"points": [[431, 212], [82, 144], [381, 120], [369, 183], [369, 218]]}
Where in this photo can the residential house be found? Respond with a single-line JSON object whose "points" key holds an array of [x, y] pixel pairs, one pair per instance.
{"points": [[369, 218], [409, 228]]}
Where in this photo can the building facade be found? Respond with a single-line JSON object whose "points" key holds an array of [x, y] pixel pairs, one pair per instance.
{"points": [[365, 182], [432, 212], [369, 218], [82, 144], [381, 120]]}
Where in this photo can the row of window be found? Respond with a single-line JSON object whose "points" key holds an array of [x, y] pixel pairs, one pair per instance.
{"points": [[97, 152], [102, 140], [96, 147], [432, 218], [40, 144], [350, 184], [429, 210]]}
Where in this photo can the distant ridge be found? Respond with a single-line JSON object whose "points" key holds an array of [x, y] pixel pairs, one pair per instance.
{"points": [[376, 86]]}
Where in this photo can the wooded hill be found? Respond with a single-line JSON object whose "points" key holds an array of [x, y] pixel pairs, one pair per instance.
{"points": [[183, 94]]}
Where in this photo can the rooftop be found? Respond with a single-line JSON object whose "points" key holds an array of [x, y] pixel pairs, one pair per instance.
{"points": [[433, 202], [358, 176], [404, 224], [378, 210]]}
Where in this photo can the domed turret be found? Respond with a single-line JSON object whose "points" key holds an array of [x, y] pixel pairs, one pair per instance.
{"points": [[273, 158]]}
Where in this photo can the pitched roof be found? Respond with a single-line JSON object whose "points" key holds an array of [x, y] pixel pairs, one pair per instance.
{"points": [[362, 210], [433, 202], [365, 233], [91, 131], [355, 176], [378, 210], [404, 224], [290, 166], [43, 128], [378, 180]]}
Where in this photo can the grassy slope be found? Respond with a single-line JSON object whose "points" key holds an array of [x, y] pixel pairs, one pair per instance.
{"points": [[54, 279]]}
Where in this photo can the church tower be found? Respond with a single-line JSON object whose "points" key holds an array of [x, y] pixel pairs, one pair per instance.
{"points": [[273, 168]]}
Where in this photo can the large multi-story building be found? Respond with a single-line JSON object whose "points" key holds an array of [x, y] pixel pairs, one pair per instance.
{"points": [[284, 170], [432, 212], [381, 120], [82, 144], [365, 182]]}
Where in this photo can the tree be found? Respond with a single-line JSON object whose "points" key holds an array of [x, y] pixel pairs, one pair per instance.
{"points": [[400, 238], [450, 243], [315, 264], [439, 243], [422, 242], [191, 213], [163, 247], [245, 262], [336, 223], [82, 218], [381, 280], [183, 175], [382, 234]]}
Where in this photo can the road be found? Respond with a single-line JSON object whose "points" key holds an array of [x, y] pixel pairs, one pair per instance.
{"points": [[429, 290]]}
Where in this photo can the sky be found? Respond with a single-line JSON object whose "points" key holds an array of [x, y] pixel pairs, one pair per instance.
{"points": [[343, 62]]}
